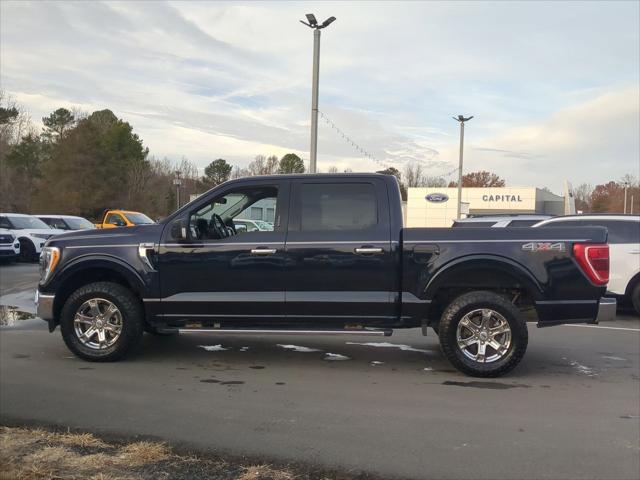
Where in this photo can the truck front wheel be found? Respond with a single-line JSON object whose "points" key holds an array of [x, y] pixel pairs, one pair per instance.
{"points": [[102, 322], [482, 334]]}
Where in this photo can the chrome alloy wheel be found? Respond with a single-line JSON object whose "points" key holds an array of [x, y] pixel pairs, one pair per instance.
{"points": [[483, 335], [98, 323]]}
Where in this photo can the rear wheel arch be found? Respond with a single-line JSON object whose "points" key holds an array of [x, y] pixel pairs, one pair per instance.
{"points": [[473, 271], [27, 248], [632, 283], [488, 273]]}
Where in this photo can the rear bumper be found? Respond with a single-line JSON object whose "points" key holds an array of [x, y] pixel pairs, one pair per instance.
{"points": [[606, 309], [561, 312]]}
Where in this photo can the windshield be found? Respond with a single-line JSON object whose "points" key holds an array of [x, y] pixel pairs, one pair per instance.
{"points": [[139, 219], [20, 223], [79, 223]]}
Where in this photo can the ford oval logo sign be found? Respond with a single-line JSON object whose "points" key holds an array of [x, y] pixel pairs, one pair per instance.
{"points": [[437, 197]]}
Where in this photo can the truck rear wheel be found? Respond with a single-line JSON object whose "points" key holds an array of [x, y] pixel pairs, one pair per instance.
{"points": [[102, 322], [482, 334]]}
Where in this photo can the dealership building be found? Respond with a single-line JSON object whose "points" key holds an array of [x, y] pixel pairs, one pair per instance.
{"points": [[437, 207]]}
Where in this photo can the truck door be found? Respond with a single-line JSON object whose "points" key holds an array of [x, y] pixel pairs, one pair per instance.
{"points": [[339, 265], [223, 273]]}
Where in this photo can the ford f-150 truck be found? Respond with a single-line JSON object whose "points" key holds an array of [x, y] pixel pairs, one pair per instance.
{"points": [[337, 261]]}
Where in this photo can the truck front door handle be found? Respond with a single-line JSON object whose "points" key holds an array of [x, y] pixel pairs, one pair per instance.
{"points": [[368, 250], [263, 251]]}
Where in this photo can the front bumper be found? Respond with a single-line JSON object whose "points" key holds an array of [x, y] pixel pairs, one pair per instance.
{"points": [[44, 306], [606, 309]]}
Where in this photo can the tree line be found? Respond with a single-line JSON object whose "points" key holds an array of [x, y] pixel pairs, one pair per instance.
{"points": [[81, 163]]}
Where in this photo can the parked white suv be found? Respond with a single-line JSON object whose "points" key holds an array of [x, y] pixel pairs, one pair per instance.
{"points": [[9, 246], [500, 221], [66, 222], [624, 250], [31, 232]]}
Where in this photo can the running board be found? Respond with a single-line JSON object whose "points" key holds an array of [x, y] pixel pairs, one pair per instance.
{"points": [[250, 331]]}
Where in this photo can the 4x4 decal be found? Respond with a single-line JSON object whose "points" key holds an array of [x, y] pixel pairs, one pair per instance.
{"points": [[543, 247]]}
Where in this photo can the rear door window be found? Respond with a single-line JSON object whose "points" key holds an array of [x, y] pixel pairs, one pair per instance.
{"points": [[337, 207], [620, 231], [623, 231], [115, 219]]}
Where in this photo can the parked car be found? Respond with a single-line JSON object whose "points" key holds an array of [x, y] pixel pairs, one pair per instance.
{"points": [[9, 246], [338, 261], [122, 218], [67, 222], [500, 221], [30, 231], [624, 247], [251, 225]]}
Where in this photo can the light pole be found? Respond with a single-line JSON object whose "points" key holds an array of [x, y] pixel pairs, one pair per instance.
{"points": [[461, 119], [313, 23], [177, 182], [626, 185]]}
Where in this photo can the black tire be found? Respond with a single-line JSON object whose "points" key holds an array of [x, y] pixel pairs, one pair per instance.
{"points": [[635, 298], [27, 251], [132, 321], [467, 303]]}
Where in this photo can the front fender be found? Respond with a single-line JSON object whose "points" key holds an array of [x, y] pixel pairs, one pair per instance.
{"points": [[97, 261]]}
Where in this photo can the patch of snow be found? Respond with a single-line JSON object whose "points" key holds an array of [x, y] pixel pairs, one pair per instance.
{"points": [[213, 348], [619, 359], [404, 348], [244, 349], [297, 348], [582, 369], [335, 357], [376, 363], [428, 369]]}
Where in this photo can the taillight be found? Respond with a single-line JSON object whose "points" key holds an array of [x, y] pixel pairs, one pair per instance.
{"points": [[594, 261]]}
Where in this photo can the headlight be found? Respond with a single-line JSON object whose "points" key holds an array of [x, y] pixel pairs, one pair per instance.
{"points": [[48, 261], [41, 235]]}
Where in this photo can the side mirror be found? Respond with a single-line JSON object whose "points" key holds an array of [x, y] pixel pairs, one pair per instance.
{"points": [[179, 230], [118, 223]]}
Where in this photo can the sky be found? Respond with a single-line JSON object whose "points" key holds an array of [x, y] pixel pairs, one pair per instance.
{"points": [[554, 88]]}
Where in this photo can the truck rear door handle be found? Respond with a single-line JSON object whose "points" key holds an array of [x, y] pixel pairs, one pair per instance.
{"points": [[263, 251], [368, 250]]}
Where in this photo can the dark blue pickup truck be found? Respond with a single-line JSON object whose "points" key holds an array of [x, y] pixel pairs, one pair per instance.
{"points": [[332, 257]]}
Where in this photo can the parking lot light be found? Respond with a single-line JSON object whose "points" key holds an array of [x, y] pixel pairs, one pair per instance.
{"points": [[312, 22], [462, 120]]}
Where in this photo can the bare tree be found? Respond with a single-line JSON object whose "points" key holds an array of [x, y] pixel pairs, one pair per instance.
{"points": [[272, 165], [413, 175], [582, 195], [332, 169], [437, 182]]}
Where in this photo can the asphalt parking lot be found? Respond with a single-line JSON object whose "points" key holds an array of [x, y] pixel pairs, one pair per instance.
{"points": [[393, 405]]}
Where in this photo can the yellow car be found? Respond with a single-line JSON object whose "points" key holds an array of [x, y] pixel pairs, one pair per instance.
{"points": [[123, 218]]}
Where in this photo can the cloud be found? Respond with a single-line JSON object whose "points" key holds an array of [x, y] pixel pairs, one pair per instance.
{"points": [[547, 83], [593, 141]]}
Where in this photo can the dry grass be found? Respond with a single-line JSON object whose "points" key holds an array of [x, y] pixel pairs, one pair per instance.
{"points": [[265, 472], [37, 454]]}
